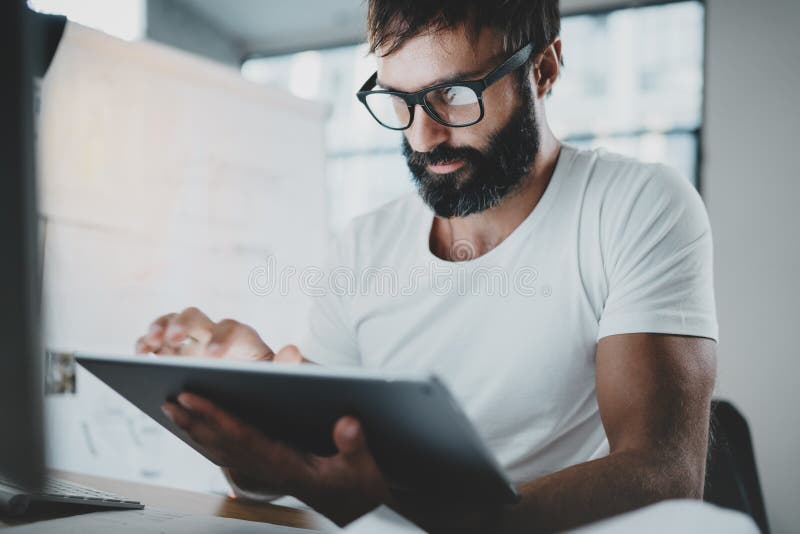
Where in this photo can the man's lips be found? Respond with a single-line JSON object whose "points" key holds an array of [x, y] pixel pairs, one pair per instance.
{"points": [[446, 167]]}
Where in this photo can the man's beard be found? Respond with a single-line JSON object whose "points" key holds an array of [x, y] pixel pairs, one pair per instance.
{"points": [[486, 177]]}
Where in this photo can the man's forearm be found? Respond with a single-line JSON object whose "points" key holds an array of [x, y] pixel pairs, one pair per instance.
{"points": [[575, 496], [594, 490]]}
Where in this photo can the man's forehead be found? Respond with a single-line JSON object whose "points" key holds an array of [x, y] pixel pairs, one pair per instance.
{"points": [[435, 57]]}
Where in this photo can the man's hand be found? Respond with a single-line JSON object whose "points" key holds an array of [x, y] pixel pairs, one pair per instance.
{"points": [[192, 333], [342, 487]]}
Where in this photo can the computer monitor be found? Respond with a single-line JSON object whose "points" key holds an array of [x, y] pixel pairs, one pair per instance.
{"points": [[28, 43], [26, 46]]}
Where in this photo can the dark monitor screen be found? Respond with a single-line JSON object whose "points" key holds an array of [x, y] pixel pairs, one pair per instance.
{"points": [[21, 397]]}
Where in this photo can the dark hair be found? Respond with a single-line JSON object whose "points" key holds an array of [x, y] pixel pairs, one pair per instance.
{"points": [[390, 23]]}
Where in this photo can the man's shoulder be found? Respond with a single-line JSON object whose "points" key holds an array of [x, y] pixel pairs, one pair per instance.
{"points": [[610, 169], [621, 182]]}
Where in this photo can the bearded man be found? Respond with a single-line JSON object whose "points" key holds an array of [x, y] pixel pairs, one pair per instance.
{"points": [[589, 376]]}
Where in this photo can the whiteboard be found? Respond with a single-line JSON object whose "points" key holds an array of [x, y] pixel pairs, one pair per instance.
{"points": [[166, 180]]}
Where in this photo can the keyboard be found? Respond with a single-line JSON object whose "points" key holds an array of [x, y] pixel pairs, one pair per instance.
{"points": [[15, 500]]}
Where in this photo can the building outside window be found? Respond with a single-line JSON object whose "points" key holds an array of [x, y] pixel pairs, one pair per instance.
{"points": [[632, 83]]}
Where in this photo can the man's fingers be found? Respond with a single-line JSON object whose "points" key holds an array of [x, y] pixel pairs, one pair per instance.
{"points": [[208, 410], [143, 347], [349, 437], [245, 437], [289, 354], [169, 333], [199, 428], [190, 323], [234, 430], [176, 414], [215, 444], [154, 337], [222, 338], [233, 443], [192, 333], [231, 339], [356, 458]]}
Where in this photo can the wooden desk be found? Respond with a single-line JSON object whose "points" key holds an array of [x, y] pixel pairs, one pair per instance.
{"points": [[181, 501]]}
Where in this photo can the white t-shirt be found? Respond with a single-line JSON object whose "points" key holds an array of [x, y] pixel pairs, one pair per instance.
{"points": [[614, 246]]}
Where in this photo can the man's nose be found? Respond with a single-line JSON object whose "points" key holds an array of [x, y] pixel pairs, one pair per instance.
{"points": [[425, 134]]}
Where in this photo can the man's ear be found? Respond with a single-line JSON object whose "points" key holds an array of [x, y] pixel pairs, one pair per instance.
{"points": [[546, 71]]}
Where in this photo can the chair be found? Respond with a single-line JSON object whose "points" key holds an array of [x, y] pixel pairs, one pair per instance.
{"points": [[731, 475]]}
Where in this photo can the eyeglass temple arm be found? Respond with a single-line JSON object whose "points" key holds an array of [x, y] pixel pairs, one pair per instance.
{"points": [[515, 61], [369, 84]]}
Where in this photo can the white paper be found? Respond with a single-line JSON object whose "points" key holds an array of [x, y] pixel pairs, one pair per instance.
{"points": [[166, 181], [151, 521], [669, 517], [684, 516]]}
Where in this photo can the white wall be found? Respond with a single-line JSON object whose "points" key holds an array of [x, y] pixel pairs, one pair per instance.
{"points": [[166, 181], [751, 183]]}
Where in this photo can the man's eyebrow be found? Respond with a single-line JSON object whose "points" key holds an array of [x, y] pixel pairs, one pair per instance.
{"points": [[457, 77]]}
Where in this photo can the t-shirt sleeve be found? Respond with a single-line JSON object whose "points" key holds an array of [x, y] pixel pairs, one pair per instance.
{"points": [[330, 338], [658, 259]]}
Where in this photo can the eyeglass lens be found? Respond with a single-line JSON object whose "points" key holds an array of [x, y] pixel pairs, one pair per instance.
{"points": [[455, 105], [390, 110]]}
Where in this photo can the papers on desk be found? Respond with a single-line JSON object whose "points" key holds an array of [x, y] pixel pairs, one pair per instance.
{"points": [[151, 521], [684, 516], [681, 515], [383, 520]]}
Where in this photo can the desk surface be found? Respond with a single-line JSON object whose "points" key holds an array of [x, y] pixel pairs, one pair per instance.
{"points": [[183, 501]]}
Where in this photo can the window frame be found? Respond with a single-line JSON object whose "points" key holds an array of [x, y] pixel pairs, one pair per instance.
{"points": [[604, 9], [622, 5]]}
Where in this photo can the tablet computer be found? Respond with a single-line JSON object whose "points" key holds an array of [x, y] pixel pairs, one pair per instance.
{"points": [[418, 434]]}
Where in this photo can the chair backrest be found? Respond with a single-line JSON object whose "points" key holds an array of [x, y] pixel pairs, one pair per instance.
{"points": [[731, 474]]}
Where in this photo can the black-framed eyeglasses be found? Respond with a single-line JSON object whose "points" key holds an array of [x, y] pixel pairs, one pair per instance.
{"points": [[454, 104]]}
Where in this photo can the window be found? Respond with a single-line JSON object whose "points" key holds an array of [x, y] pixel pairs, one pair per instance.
{"points": [[632, 84], [358, 149]]}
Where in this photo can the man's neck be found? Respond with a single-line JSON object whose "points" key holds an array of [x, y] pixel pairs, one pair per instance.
{"points": [[464, 238]]}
